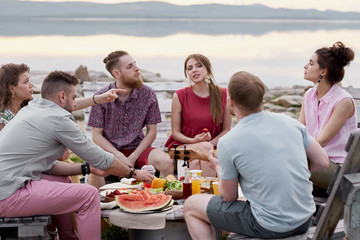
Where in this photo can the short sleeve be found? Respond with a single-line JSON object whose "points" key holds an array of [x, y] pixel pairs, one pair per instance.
{"points": [[153, 115], [307, 139], [228, 170], [97, 116]]}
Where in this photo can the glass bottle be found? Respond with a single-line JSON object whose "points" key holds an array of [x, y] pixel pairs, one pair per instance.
{"points": [[195, 180], [187, 185]]}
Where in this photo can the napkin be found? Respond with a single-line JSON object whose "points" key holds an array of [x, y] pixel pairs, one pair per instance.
{"points": [[117, 185], [107, 205], [147, 221]]}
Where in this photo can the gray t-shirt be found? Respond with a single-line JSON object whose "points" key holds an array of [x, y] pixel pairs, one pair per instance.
{"points": [[266, 151], [38, 134]]}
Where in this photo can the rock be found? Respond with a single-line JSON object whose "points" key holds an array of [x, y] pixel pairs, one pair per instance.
{"points": [[78, 115], [293, 115], [148, 76], [274, 108], [96, 76], [36, 88], [168, 95], [288, 101], [277, 92], [79, 90], [82, 74]]}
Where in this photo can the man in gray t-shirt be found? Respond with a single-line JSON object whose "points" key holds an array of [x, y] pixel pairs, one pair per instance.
{"points": [[266, 153], [30, 142]]}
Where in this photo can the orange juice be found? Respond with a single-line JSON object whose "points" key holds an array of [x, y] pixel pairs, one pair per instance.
{"points": [[196, 188], [216, 188]]}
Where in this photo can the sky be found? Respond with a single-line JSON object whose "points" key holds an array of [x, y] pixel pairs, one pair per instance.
{"points": [[344, 5]]}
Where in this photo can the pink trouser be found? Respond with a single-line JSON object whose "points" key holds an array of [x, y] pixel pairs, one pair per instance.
{"points": [[44, 197]]}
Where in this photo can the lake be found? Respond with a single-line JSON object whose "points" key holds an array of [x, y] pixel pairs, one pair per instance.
{"points": [[274, 50]]}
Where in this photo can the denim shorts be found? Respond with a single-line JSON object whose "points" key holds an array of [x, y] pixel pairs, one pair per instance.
{"points": [[237, 217]]}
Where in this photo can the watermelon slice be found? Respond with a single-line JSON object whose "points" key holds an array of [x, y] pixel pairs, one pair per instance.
{"points": [[143, 201]]}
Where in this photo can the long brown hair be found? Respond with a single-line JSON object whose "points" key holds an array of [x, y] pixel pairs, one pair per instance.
{"points": [[215, 90], [9, 75]]}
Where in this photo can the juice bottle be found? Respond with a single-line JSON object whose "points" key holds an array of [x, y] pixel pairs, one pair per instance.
{"points": [[187, 189], [196, 188]]}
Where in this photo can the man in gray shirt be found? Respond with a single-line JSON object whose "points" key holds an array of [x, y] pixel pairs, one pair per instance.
{"points": [[30, 142]]}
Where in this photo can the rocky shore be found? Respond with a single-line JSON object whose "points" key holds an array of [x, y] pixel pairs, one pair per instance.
{"points": [[280, 100]]}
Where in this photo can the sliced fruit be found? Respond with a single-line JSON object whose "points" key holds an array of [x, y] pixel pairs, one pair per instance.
{"points": [[137, 203]]}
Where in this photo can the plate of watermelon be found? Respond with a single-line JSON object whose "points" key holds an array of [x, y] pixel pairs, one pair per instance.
{"points": [[109, 195], [144, 202]]}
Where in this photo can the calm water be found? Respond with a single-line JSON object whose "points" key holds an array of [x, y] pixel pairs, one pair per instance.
{"points": [[274, 50]]}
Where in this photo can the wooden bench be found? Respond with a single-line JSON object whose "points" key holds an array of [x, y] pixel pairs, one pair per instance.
{"points": [[345, 193], [32, 227]]}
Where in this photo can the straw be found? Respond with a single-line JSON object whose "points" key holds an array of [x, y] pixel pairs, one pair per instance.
{"points": [[147, 169]]}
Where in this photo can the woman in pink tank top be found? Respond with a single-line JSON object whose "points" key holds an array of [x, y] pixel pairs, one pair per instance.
{"points": [[328, 111]]}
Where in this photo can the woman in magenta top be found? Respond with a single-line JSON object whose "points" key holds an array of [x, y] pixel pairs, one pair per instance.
{"points": [[328, 111], [199, 113]]}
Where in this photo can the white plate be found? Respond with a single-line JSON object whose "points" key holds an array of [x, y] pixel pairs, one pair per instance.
{"points": [[149, 211]]}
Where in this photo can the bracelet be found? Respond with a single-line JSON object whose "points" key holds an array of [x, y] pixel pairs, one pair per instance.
{"points": [[132, 172], [94, 100], [85, 169]]}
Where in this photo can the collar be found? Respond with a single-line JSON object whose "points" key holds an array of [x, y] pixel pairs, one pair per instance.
{"points": [[134, 93], [45, 102], [251, 117], [327, 97]]}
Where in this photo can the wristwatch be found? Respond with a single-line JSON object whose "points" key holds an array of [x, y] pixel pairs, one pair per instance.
{"points": [[132, 172]]}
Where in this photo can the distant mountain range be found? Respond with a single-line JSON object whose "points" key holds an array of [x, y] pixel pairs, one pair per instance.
{"points": [[21, 9], [154, 19]]}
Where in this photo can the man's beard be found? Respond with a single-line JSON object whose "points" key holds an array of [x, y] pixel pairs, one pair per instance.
{"points": [[135, 82], [68, 107]]}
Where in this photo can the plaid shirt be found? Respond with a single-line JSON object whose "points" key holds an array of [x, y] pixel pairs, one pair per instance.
{"points": [[122, 124]]}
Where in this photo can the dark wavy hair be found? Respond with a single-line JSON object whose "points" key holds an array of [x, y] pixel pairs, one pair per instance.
{"points": [[9, 75], [334, 59]]}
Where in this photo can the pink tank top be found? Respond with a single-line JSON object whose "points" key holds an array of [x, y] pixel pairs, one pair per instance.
{"points": [[318, 114]]}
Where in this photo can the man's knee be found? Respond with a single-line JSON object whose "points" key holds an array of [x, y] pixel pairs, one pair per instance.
{"points": [[161, 158], [191, 204]]}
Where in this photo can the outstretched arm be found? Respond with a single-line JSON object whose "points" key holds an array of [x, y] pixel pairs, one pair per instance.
{"points": [[108, 96], [117, 168]]}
